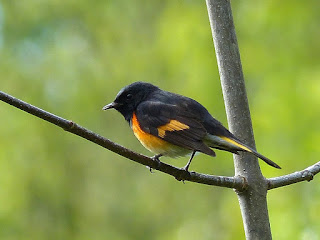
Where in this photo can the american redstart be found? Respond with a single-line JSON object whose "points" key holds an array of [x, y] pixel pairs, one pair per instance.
{"points": [[172, 125]]}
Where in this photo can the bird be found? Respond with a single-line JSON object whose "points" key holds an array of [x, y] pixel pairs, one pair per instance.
{"points": [[169, 124]]}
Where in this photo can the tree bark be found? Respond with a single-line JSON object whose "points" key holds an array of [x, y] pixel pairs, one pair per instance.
{"points": [[253, 202]]}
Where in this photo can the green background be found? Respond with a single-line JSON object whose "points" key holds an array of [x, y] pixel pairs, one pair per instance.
{"points": [[72, 57]]}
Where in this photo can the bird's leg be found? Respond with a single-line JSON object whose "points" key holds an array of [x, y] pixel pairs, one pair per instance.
{"points": [[157, 160], [186, 167]]}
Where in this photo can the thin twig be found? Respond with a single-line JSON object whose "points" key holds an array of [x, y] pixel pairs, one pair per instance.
{"points": [[238, 183], [304, 175]]}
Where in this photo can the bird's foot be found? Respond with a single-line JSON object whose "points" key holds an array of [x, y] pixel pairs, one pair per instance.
{"points": [[150, 169], [156, 158], [184, 174]]}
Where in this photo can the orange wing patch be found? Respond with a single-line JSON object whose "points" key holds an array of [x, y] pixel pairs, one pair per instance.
{"points": [[173, 125]]}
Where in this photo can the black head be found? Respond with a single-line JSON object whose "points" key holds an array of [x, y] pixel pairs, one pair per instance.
{"points": [[130, 97]]}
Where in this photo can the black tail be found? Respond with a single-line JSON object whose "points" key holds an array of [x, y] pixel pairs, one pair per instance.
{"points": [[254, 152], [234, 145], [265, 159]]}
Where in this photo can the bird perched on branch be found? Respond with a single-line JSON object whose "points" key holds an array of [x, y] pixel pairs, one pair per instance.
{"points": [[172, 125]]}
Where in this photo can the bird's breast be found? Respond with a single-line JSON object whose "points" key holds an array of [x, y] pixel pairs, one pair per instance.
{"points": [[154, 143]]}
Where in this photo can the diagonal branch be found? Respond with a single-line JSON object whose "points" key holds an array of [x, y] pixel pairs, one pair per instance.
{"points": [[304, 175], [237, 182]]}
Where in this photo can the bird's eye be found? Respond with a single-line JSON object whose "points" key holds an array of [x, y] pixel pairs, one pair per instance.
{"points": [[129, 96]]}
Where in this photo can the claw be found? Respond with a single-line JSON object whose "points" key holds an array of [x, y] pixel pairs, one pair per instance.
{"points": [[157, 160], [183, 175], [157, 157], [150, 169]]}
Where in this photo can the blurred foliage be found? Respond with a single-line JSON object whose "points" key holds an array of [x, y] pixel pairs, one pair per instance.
{"points": [[71, 58]]}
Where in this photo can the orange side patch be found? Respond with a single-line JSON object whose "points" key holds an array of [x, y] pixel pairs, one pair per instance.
{"points": [[150, 142], [173, 125]]}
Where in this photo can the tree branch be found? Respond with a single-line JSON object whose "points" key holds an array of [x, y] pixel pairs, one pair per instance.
{"points": [[253, 203], [237, 182], [303, 175]]}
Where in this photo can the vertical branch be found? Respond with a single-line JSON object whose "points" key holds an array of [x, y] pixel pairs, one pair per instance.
{"points": [[253, 202]]}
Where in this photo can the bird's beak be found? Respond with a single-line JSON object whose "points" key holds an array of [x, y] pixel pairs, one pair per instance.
{"points": [[109, 106]]}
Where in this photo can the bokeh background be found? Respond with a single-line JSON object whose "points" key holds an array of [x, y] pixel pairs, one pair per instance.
{"points": [[72, 57]]}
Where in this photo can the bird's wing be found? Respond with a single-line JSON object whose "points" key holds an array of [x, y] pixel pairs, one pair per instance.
{"points": [[173, 124]]}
